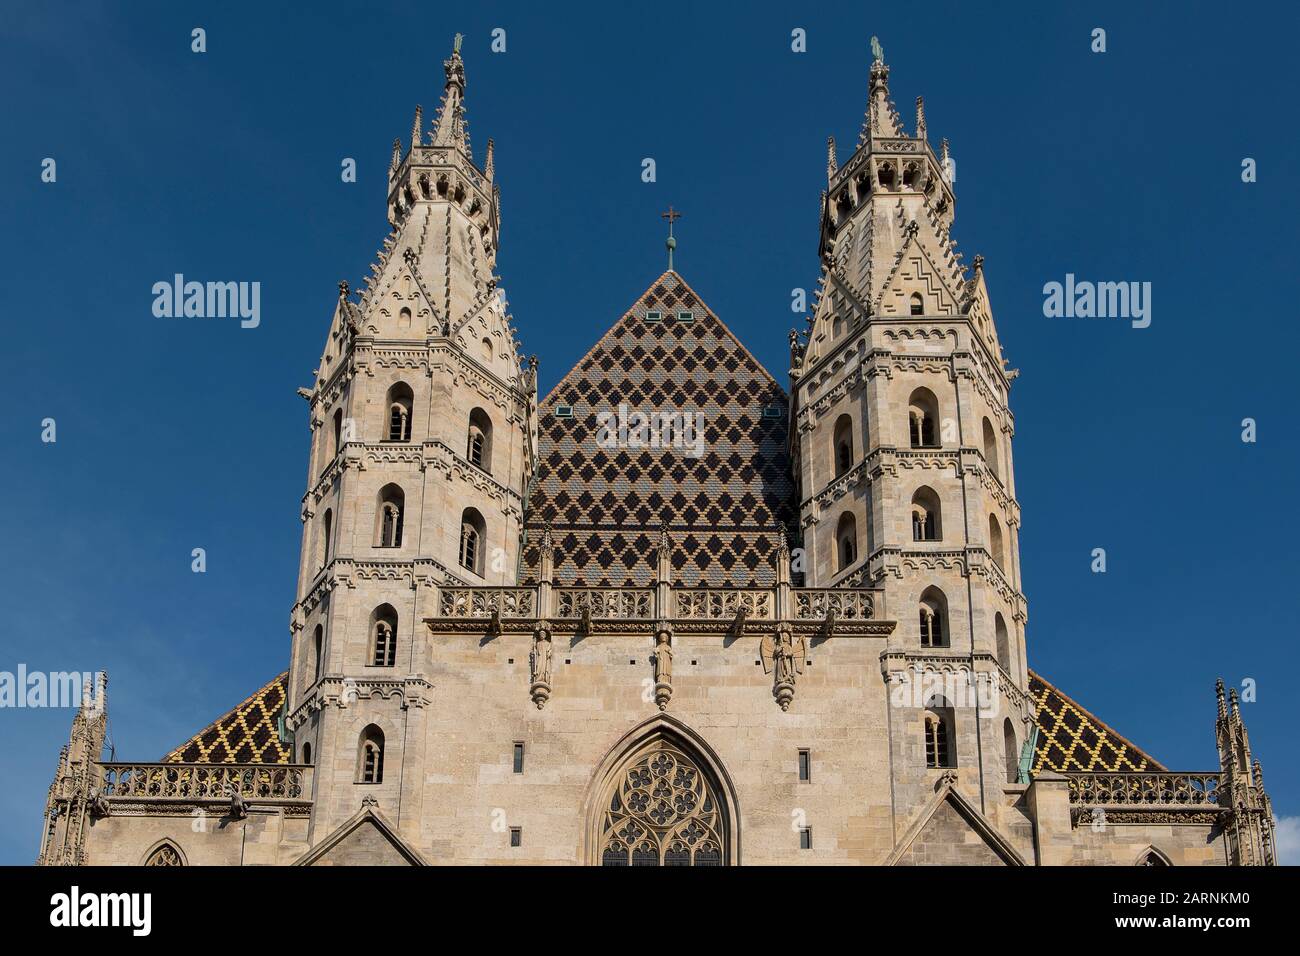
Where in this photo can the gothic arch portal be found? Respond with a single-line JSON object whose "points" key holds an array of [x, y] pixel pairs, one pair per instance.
{"points": [[661, 797]]}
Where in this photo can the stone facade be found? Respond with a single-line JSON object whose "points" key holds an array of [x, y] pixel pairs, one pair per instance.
{"points": [[514, 643]]}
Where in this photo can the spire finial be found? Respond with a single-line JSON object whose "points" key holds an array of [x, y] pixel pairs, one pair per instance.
{"points": [[415, 126], [672, 215], [831, 163], [920, 117], [449, 128], [490, 162], [881, 118], [455, 44], [397, 156]]}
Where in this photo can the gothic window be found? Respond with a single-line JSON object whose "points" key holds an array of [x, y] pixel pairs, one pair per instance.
{"points": [[917, 304], [318, 649], [843, 443], [327, 535], [923, 419], [392, 502], [925, 515], [938, 730], [995, 542], [478, 448], [1010, 751], [370, 756], [306, 753], [933, 614], [472, 533], [338, 431], [383, 630], [663, 811], [404, 319], [487, 351], [400, 402], [991, 449], [165, 855], [1002, 641], [846, 541]]}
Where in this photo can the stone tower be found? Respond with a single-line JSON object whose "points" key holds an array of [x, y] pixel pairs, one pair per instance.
{"points": [[901, 441], [423, 438]]}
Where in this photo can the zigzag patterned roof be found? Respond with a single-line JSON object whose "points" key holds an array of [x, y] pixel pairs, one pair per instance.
{"points": [[605, 506], [1072, 740], [250, 733]]}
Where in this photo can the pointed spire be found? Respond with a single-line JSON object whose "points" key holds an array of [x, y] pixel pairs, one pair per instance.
{"points": [[449, 128], [831, 163], [920, 117], [490, 163], [881, 118], [415, 126], [1218, 692], [397, 156]]}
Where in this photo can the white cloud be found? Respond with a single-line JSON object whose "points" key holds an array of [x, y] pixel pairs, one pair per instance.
{"points": [[1288, 840]]}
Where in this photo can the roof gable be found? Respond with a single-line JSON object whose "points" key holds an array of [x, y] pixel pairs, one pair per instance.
{"points": [[248, 733], [1072, 740], [606, 491]]}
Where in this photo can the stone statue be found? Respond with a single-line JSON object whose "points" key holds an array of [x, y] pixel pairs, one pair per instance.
{"points": [[663, 658], [877, 53]]}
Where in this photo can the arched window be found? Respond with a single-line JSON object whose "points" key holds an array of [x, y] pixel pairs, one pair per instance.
{"points": [[933, 618], [937, 722], [487, 351], [479, 445], [404, 319], [392, 503], [165, 854], [991, 448], [843, 444], [995, 542], [1153, 857], [370, 756], [383, 636], [338, 431], [472, 535], [662, 809], [400, 402], [327, 536], [923, 419], [1002, 641], [306, 753], [917, 304], [318, 651], [926, 515], [1010, 750], [846, 540]]}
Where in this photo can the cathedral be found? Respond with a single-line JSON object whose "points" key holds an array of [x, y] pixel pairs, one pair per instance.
{"points": [[675, 613]]}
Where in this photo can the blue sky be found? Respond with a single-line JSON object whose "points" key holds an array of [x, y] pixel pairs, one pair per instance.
{"points": [[177, 434]]}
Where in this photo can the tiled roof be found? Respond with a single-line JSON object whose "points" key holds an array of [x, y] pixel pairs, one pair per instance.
{"points": [[606, 505], [247, 734], [1070, 739]]}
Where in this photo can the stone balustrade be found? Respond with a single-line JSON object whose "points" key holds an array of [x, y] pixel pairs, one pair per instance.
{"points": [[642, 604], [622, 603], [191, 781], [481, 602], [1144, 789], [712, 604], [849, 604]]}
